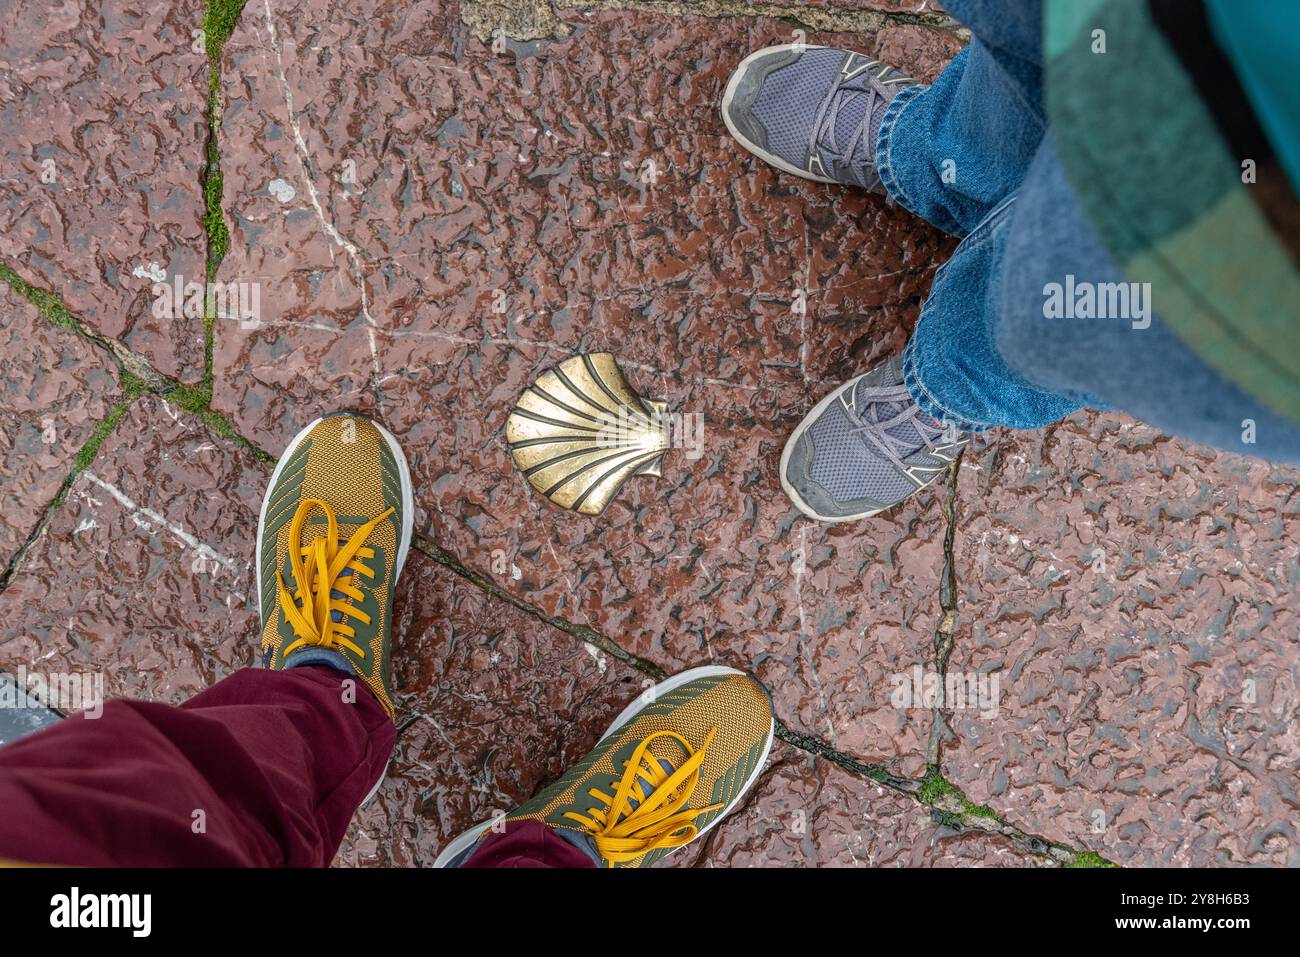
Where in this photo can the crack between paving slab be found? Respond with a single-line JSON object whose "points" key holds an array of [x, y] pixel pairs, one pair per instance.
{"points": [[351, 249], [131, 364], [85, 457], [136, 374], [945, 634], [81, 463], [539, 19], [219, 19], [948, 804], [582, 633]]}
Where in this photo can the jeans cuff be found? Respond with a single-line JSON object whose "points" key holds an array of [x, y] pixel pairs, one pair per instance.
{"points": [[922, 397], [884, 142]]}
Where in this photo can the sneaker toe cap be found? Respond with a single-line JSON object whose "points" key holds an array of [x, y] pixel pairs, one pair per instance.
{"points": [[815, 499], [798, 475], [750, 95]]}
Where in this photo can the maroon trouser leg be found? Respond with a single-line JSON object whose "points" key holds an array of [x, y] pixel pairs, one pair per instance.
{"points": [[527, 844], [264, 768]]}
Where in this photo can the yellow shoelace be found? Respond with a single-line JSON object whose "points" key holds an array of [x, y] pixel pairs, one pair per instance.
{"points": [[661, 819], [316, 573]]}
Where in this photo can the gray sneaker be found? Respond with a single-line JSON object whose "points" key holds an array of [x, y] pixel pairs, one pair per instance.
{"points": [[812, 111], [864, 448]]}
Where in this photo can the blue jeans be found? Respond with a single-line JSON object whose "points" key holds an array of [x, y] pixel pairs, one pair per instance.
{"points": [[973, 155]]}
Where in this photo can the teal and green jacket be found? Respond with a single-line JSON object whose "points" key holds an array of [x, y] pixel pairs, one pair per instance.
{"points": [[1179, 128]]}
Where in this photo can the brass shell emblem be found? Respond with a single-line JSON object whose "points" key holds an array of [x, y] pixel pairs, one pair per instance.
{"points": [[579, 432]]}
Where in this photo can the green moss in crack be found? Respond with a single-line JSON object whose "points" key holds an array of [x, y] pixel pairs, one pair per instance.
{"points": [[214, 224], [192, 399], [102, 432], [195, 400], [935, 787], [971, 809], [1090, 859], [51, 307], [97, 438], [219, 19], [132, 385]]}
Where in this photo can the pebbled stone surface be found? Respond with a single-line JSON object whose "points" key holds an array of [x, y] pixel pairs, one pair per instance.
{"points": [[55, 389], [1136, 596], [103, 106], [479, 216]]}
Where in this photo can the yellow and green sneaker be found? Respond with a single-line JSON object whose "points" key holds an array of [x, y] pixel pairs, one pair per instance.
{"points": [[332, 539], [671, 766]]}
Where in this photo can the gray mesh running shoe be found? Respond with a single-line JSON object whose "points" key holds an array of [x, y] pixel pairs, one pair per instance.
{"points": [[812, 111], [864, 448]]}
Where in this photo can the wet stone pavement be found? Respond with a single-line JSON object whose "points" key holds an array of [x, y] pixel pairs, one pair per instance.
{"points": [[436, 202]]}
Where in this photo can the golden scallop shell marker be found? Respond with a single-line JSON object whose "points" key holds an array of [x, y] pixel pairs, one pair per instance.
{"points": [[579, 432]]}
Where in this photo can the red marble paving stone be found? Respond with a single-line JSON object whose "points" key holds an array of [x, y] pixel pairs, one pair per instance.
{"points": [[55, 390], [707, 261], [1126, 587], [499, 704], [313, 350], [919, 51], [289, 373], [123, 588], [866, 294], [809, 813], [114, 95]]}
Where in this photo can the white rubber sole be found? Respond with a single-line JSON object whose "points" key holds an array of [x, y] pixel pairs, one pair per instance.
{"points": [[467, 838], [799, 430], [374, 788], [730, 93], [404, 541]]}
